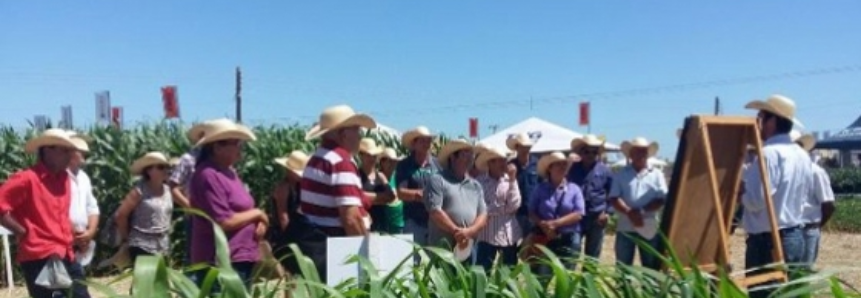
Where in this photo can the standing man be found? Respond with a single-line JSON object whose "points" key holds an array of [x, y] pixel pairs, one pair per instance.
{"points": [[84, 209], [595, 179], [790, 174], [411, 177], [819, 206], [502, 234], [331, 191], [527, 176], [34, 206]]}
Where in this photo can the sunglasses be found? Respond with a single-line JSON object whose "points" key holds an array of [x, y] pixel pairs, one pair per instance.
{"points": [[589, 151]]}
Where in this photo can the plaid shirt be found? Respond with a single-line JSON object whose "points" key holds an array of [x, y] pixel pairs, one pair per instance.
{"points": [[503, 200], [181, 174]]}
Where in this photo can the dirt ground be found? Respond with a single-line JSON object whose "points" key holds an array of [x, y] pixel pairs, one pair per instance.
{"points": [[840, 253]]}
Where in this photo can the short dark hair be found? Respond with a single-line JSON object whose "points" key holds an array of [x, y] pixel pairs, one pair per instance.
{"points": [[782, 125]]}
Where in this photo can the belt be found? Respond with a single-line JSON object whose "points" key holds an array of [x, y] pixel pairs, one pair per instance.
{"points": [[812, 225], [781, 231]]}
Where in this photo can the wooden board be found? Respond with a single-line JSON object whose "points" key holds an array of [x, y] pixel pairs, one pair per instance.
{"points": [[703, 190]]}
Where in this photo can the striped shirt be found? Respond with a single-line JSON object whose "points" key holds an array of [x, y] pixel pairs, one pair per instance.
{"points": [[331, 180], [503, 200]]}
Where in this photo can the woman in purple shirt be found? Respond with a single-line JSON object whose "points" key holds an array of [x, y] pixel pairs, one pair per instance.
{"points": [[555, 208], [216, 190]]}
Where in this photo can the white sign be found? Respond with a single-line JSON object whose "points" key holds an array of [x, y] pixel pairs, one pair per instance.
{"points": [[103, 107], [66, 117], [385, 252], [40, 122]]}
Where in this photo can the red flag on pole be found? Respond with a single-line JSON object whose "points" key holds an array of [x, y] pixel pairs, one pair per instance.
{"points": [[473, 127], [117, 117], [584, 113], [170, 102]]}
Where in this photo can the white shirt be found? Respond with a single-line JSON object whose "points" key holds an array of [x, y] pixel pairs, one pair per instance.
{"points": [[638, 190], [821, 194], [84, 202], [790, 174]]}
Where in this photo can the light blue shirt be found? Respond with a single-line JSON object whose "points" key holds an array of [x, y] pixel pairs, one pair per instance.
{"points": [[638, 190], [790, 174], [821, 194]]}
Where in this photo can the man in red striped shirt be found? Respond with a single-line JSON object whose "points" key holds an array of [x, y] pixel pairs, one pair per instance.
{"points": [[331, 190]]}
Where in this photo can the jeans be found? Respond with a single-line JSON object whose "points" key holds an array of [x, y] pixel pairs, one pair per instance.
{"points": [[567, 249], [487, 253], [419, 231], [524, 223], [758, 254], [31, 271], [626, 248], [811, 246], [592, 235]]}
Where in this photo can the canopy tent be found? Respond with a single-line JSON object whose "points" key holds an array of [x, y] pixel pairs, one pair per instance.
{"points": [[653, 162], [847, 139], [546, 136], [383, 129]]}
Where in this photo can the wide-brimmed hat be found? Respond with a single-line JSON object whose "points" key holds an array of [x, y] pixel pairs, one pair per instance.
{"points": [[488, 154], [548, 159], [587, 140], [174, 161], [295, 161], [640, 142], [808, 141], [337, 117], [389, 153], [480, 148], [450, 148], [521, 139], [369, 146], [415, 133], [224, 130], [776, 104], [50, 137], [81, 141], [196, 132], [149, 159]]}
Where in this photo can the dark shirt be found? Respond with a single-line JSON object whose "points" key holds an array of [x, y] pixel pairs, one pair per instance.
{"points": [[411, 175], [527, 180], [595, 183]]}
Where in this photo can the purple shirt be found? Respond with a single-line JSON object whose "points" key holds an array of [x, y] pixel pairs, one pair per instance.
{"points": [[548, 202], [220, 193]]}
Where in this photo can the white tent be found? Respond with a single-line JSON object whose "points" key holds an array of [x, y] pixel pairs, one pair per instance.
{"points": [[383, 129], [653, 162], [546, 136]]}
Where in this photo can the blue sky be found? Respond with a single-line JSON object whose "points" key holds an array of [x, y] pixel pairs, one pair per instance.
{"points": [[406, 61]]}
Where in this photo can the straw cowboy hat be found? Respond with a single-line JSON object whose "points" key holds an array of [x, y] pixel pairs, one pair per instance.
{"points": [[410, 136], [586, 140], [450, 148], [295, 161], [174, 161], [549, 159], [369, 146], [80, 141], [807, 140], [389, 153], [337, 117], [776, 104], [149, 159], [487, 155], [50, 137], [196, 132], [480, 148], [640, 142], [521, 139], [224, 130]]}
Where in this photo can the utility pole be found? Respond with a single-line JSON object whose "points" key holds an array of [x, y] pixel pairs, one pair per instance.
{"points": [[493, 128], [238, 95], [717, 106]]}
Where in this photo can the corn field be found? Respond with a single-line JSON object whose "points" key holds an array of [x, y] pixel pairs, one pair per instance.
{"points": [[112, 151]]}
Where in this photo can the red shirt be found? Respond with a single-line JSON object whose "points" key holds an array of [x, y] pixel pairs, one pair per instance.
{"points": [[39, 200], [330, 181]]}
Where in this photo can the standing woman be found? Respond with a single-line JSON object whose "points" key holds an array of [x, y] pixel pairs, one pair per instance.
{"points": [[217, 190], [388, 161], [374, 183], [288, 226], [556, 208], [144, 216]]}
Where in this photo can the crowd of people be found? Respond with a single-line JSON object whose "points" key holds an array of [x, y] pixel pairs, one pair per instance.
{"points": [[490, 205]]}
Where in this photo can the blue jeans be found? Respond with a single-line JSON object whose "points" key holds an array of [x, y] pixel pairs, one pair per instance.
{"points": [[31, 271], [811, 246], [758, 254], [626, 248], [592, 235], [487, 252], [419, 231], [567, 248]]}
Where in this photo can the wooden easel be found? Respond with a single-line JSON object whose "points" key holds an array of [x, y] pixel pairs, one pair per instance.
{"points": [[704, 191]]}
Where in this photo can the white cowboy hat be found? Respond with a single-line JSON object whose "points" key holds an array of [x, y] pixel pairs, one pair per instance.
{"points": [[174, 161], [196, 132], [574, 157], [369, 146], [450, 148], [807, 140], [50, 137], [776, 104], [295, 161], [521, 139], [389, 153], [640, 142], [224, 130], [149, 159], [488, 154], [548, 159], [480, 148], [80, 141], [587, 140], [337, 117], [462, 254], [411, 135]]}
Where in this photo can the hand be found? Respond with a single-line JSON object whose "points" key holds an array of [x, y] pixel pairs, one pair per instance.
{"points": [[260, 232], [636, 217], [460, 236], [284, 224], [512, 172], [602, 219], [262, 217], [83, 238]]}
